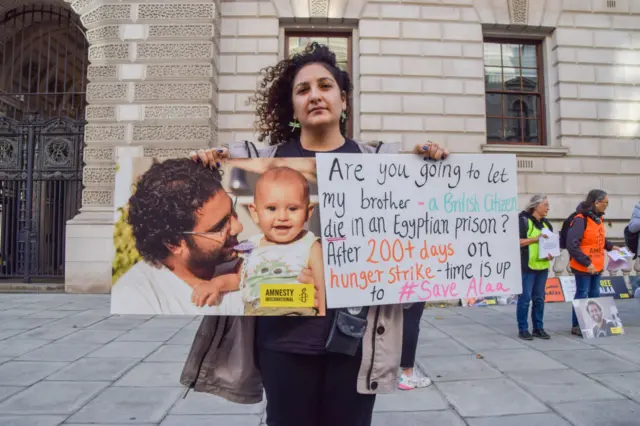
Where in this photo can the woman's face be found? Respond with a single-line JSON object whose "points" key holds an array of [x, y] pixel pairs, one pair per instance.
{"points": [[601, 206], [542, 209], [317, 99]]}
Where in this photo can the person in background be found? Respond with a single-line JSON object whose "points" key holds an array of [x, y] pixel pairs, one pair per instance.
{"points": [[634, 229], [410, 378], [586, 243], [535, 271]]}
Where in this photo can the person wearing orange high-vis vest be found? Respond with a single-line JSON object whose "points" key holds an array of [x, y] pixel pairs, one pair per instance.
{"points": [[587, 243]]}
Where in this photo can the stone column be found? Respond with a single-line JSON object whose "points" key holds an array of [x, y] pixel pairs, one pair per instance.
{"points": [[153, 84]]}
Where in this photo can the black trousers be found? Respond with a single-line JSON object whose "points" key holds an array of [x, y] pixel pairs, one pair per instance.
{"points": [[313, 390], [410, 332]]}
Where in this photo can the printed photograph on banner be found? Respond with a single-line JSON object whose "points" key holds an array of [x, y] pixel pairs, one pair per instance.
{"points": [[598, 317], [401, 229], [239, 241]]}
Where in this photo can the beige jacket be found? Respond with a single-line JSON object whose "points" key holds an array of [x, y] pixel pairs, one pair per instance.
{"points": [[221, 359]]}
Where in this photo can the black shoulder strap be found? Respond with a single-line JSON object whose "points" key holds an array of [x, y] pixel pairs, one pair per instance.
{"points": [[249, 146], [379, 147]]}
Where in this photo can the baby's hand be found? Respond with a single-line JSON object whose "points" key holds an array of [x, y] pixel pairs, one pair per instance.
{"points": [[207, 293]]}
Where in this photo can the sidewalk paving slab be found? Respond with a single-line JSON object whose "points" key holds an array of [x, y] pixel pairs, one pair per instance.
{"points": [[599, 413], [562, 386], [64, 360], [547, 419], [490, 397]]}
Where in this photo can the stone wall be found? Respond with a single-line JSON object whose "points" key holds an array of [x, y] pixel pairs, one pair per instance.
{"points": [[248, 42], [153, 84]]}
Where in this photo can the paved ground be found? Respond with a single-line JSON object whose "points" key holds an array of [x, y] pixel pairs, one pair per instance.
{"points": [[65, 361]]}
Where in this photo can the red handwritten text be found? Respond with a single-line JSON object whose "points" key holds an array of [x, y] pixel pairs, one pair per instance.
{"points": [[479, 288]]}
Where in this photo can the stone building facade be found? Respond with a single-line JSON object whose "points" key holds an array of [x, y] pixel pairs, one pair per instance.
{"points": [[167, 77]]}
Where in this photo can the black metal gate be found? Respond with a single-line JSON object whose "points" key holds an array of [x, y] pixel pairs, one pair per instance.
{"points": [[43, 60], [40, 190]]}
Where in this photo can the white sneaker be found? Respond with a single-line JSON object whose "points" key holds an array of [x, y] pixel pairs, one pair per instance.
{"points": [[413, 382]]}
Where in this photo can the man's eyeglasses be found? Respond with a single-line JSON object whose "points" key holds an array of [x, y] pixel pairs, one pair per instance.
{"points": [[225, 227]]}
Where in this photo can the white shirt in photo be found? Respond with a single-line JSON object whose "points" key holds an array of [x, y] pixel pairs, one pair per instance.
{"points": [[147, 290]]}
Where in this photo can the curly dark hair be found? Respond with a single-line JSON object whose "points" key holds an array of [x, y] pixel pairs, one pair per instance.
{"points": [[164, 204], [273, 99]]}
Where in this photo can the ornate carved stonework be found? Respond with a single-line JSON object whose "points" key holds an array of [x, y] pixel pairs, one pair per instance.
{"points": [[319, 8], [168, 152], [98, 176], [519, 10], [174, 12], [178, 71], [99, 133], [166, 80], [102, 72], [107, 33], [172, 132], [109, 52], [107, 13], [97, 198], [173, 91], [107, 92], [181, 31], [177, 111], [78, 5], [96, 112], [98, 154], [189, 51]]}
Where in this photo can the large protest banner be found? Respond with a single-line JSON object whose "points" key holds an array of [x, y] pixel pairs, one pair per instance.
{"points": [[400, 229]]}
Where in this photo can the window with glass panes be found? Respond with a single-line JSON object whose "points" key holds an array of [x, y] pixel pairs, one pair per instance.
{"points": [[339, 43], [514, 91]]}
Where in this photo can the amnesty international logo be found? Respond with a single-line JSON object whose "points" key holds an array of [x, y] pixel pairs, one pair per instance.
{"points": [[286, 295], [303, 296]]}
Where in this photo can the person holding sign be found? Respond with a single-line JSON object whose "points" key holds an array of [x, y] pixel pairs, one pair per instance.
{"points": [[309, 378], [586, 242], [533, 227]]}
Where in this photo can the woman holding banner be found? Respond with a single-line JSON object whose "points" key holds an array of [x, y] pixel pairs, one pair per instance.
{"points": [[302, 106], [533, 227]]}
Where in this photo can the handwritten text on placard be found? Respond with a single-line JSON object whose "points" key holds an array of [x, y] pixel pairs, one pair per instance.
{"points": [[400, 229]]}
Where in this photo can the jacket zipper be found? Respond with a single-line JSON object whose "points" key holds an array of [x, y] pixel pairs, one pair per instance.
{"points": [[373, 347]]}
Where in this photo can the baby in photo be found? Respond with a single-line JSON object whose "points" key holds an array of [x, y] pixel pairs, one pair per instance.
{"points": [[281, 208]]}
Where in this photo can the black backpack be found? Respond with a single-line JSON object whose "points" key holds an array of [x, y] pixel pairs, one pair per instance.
{"points": [[631, 240], [565, 229]]}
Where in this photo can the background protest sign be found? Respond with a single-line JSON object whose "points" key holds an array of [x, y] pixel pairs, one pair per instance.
{"points": [[400, 229], [598, 317]]}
